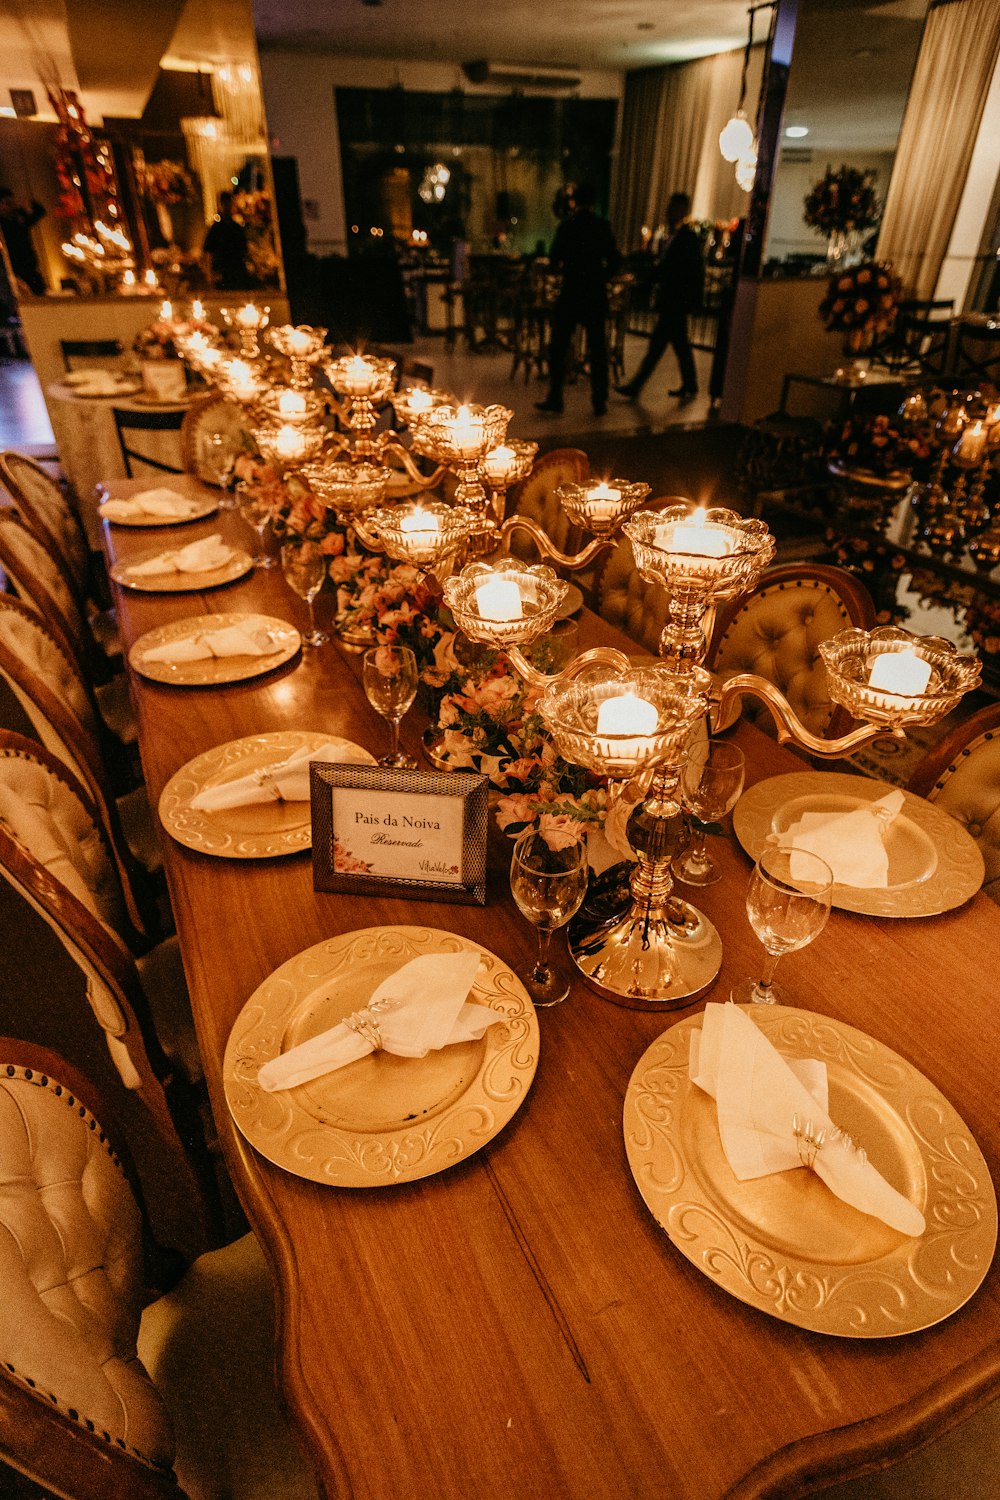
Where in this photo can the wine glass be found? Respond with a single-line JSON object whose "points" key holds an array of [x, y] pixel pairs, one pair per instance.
{"points": [[788, 903], [711, 783], [215, 463], [548, 885], [390, 679], [304, 567], [257, 513]]}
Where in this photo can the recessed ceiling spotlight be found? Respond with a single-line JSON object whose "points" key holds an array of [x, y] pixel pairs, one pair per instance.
{"points": [[796, 132]]}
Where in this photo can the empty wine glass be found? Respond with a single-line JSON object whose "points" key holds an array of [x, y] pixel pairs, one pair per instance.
{"points": [[216, 459], [788, 903], [390, 679], [548, 885], [710, 785], [304, 567], [257, 513]]}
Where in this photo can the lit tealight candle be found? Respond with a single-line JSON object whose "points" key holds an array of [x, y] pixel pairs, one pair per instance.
{"points": [[972, 444], [900, 672], [499, 599], [299, 342], [128, 279], [626, 714], [289, 443], [603, 502], [291, 404], [248, 316], [497, 463], [695, 537], [467, 431], [209, 357], [197, 311], [358, 376], [166, 311], [419, 523], [150, 278], [419, 400]]}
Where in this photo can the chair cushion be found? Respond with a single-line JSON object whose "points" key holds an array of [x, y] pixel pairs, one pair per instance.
{"points": [[27, 638], [209, 1347], [629, 602], [71, 1267], [777, 636], [162, 973], [970, 791], [45, 497], [535, 498], [29, 562]]}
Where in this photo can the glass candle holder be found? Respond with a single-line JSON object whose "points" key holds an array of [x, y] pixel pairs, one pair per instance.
{"points": [[863, 678], [601, 506], [426, 534], [505, 603], [350, 489], [361, 377]]}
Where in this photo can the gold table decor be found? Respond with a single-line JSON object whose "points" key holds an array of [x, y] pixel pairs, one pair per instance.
{"points": [[350, 489], [214, 671], [383, 1120], [259, 830], [784, 1243], [238, 565], [201, 508]]}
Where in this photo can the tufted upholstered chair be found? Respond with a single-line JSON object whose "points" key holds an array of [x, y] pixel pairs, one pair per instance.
{"points": [[775, 632], [48, 512], [48, 819], [628, 601], [106, 1394], [39, 578], [962, 776], [535, 498], [210, 417], [49, 714]]}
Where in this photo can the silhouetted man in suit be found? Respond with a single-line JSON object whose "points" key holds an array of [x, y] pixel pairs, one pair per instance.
{"points": [[584, 251], [681, 277]]}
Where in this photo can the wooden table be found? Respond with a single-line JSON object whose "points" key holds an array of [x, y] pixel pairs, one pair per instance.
{"points": [[520, 1326]]}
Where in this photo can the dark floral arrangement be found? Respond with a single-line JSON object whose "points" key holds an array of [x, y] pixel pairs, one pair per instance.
{"points": [[296, 514], [881, 446], [156, 340], [843, 199], [165, 182], [863, 298], [879, 566]]}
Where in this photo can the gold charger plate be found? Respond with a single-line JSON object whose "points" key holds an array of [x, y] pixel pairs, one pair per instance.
{"points": [[572, 602], [785, 1244], [934, 865], [213, 670], [239, 563], [261, 830], [120, 392], [206, 506], [385, 1119]]}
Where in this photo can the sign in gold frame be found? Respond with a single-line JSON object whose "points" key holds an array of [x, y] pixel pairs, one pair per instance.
{"points": [[430, 828]]}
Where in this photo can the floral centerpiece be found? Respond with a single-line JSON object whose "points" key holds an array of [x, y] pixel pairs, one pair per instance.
{"points": [[165, 182], [844, 199], [158, 339], [860, 303], [879, 566], [880, 446], [296, 514]]}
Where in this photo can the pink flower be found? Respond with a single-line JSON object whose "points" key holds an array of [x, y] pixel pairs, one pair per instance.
{"points": [[332, 544], [559, 831], [515, 809], [457, 747]]}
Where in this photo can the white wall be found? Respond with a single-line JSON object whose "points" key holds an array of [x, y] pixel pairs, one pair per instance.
{"points": [[787, 232], [302, 121]]}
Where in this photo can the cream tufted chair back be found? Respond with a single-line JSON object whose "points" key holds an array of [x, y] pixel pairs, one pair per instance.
{"points": [[47, 511], [38, 578], [627, 600], [775, 632], [534, 497], [962, 776], [213, 417], [33, 641]]}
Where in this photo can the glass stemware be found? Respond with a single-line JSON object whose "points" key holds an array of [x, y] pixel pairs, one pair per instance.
{"points": [[788, 902], [390, 678], [304, 567], [711, 783], [215, 463], [257, 514], [549, 886]]}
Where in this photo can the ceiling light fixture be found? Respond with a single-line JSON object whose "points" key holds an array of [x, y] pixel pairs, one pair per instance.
{"points": [[796, 132], [736, 136]]}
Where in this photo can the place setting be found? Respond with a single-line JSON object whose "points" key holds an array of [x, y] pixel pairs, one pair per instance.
{"points": [[160, 506], [211, 650], [250, 798], [205, 564], [97, 384]]}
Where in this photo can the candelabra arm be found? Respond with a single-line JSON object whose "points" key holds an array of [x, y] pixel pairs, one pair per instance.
{"points": [[426, 481], [548, 551], [604, 656], [790, 728], [369, 539]]}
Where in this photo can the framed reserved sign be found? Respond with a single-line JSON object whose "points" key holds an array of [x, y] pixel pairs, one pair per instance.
{"points": [[381, 831]]}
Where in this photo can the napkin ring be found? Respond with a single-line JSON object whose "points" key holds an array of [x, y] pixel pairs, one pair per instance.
{"points": [[364, 1023], [265, 780], [808, 1139]]}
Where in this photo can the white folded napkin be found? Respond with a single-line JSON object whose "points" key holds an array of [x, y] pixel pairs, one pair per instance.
{"points": [[94, 380], [284, 781], [203, 556], [851, 843], [160, 502], [230, 640], [773, 1110], [418, 1009]]}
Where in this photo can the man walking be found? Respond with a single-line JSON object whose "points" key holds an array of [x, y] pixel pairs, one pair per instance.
{"points": [[681, 281], [584, 251]]}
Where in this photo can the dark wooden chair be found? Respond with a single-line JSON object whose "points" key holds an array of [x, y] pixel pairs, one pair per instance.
{"points": [[129, 422], [977, 353], [89, 349], [961, 774]]}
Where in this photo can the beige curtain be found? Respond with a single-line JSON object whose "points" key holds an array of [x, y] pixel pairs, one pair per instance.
{"points": [[671, 118], [957, 57]]}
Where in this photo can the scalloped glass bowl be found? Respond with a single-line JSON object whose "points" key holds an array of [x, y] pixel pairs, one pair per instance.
{"points": [[850, 656], [423, 546], [542, 594], [311, 445], [313, 407], [570, 711], [601, 514], [281, 339], [349, 489], [751, 549], [436, 433], [361, 376]]}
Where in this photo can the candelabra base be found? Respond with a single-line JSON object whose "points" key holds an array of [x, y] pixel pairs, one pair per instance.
{"points": [[355, 638], [659, 962]]}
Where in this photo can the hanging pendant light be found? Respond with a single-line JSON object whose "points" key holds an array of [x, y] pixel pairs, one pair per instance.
{"points": [[746, 168], [736, 136]]}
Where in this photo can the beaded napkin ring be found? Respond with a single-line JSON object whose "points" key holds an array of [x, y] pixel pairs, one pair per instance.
{"points": [[811, 1141], [365, 1022]]}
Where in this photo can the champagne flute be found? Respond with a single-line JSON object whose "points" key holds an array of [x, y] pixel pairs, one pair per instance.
{"points": [[257, 513], [788, 903], [304, 567], [711, 783], [548, 885], [390, 679]]}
